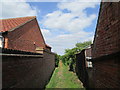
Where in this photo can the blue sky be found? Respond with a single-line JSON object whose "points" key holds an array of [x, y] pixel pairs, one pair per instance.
{"points": [[63, 24], [44, 7]]}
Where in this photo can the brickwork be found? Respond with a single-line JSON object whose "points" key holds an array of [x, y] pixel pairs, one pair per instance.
{"points": [[25, 38], [106, 43], [27, 72], [107, 37], [81, 68], [106, 73]]}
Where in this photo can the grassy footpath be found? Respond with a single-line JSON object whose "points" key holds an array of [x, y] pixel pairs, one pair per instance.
{"points": [[62, 78]]}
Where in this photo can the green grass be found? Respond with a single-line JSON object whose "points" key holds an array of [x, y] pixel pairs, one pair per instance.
{"points": [[62, 78], [53, 81]]}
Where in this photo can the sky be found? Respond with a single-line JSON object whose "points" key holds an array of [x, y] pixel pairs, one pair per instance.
{"points": [[63, 24]]}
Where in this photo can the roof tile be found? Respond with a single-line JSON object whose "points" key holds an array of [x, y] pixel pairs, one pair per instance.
{"points": [[8, 24]]}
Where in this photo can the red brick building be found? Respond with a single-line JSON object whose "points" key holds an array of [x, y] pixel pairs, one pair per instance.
{"points": [[22, 34], [106, 46]]}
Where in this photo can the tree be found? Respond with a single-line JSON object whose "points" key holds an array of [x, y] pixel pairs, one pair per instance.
{"points": [[69, 57], [83, 45], [57, 58]]}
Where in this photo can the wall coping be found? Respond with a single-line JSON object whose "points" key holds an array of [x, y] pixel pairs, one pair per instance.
{"points": [[20, 55]]}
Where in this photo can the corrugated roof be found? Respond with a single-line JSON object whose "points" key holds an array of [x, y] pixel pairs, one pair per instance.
{"points": [[12, 23]]}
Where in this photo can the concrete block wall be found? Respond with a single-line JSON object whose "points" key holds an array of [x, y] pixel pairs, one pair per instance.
{"points": [[27, 72]]}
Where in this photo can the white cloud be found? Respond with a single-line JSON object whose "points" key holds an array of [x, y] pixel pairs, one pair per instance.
{"points": [[63, 0], [61, 42], [71, 17], [46, 33], [72, 21], [17, 9], [77, 7]]}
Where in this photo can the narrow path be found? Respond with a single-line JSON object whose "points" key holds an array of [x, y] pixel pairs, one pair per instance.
{"points": [[63, 78]]}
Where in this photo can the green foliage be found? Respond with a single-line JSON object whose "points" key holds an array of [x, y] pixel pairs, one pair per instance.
{"points": [[69, 57], [57, 58], [83, 45], [62, 78]]}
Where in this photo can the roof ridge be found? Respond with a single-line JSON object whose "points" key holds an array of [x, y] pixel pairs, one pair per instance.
{"points": [[18, 17]]}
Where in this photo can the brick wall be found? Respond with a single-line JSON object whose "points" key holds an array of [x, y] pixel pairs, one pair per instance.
{"points": [[107, 44], [107, 37], [81, 68], [107, 71], [88, 52], [27, 72], [26, 37], [84, 73]]}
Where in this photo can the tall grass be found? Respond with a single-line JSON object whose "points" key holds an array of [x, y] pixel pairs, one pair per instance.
{"points": [[63, 78]]}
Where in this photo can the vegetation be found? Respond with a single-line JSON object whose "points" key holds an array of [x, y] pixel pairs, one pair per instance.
{"points": [[62, 78], [57, 58], [69, 57]]}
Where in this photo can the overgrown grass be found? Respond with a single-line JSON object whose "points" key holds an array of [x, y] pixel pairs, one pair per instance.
{"points": [[53, 81], [62, 78]]}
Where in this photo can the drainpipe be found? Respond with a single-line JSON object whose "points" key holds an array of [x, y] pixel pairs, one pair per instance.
{"points": [[6, 43]]}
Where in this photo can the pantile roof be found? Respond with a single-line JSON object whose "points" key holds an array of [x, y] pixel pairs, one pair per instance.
{"points": [[12, 23]]}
